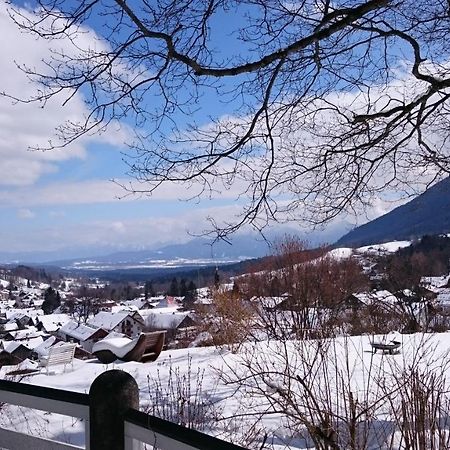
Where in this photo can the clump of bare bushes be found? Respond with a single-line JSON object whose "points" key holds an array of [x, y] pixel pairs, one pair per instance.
{"points": [[182, 399], [333, 394], [228, 320]]}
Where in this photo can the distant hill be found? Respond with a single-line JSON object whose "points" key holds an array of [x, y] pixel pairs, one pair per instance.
{"points": [[242, 247], [429, 213], [197, 252]]}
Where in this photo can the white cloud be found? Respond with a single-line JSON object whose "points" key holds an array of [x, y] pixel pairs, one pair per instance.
{"points": [[115, 234], [56, 214], [29, 125], [149, 230], [91, 192], [25, 214]]}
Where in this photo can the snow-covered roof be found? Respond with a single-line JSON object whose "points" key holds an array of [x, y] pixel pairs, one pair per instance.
{"points": [[435, 282], [340, 253], [136, 303], [371, 298], [18, 315], [165, 320], [6, 305], [167, 310], [28, 343], [53, 322], [28, 333], [32, 291], [78, 331], [108, 320], [204, 301], [32, 343], [10, 347], [268, 302], [203, 292], [30, 312], [443, 296], [10, 326], [42, 349], [123, 308]]}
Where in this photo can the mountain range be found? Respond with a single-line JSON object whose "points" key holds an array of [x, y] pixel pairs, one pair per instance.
{"points": [[197, 252], [428, 213]]}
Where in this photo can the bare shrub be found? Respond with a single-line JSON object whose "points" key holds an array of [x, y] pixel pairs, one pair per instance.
{"points": [[374, 319], [334, 394], [308, 383], [420, 403], [229, 319], [181, 398]]}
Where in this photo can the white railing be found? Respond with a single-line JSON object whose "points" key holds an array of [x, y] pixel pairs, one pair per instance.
{"points": [[144, 428], [44, 399], [102, 422]]}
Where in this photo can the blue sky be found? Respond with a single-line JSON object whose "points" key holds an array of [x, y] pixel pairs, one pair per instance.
{"points": [[65, 200]]}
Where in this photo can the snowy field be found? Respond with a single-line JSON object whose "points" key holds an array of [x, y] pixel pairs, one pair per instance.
{"points": [[270, 391]]}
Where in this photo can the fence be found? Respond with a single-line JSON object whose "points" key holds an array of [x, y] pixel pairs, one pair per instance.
{"points": [[111, 416]]}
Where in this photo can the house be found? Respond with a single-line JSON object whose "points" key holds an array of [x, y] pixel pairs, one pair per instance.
{"points": [[267, 303], [32, 313], [51, 323], [443, 300], [16, 351], [382, 299], [175, 322], [7, 359], [434, 283], [8, 327], [168, 320], [139, 303], [20, 335], [168, 302], [129, 323], [82, 334], [23, 320]]}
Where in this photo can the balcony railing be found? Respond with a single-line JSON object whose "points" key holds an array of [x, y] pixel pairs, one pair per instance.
{"points": [[111, 416]]}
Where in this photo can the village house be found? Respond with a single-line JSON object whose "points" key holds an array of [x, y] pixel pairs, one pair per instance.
{"points": [[22, 319], [16, 351], [381, 300], [129, 323], [51, 323], [21, 335], [176, 323], [81, 334]]}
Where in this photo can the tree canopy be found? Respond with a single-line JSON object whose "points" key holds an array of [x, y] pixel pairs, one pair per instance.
{"points": [[302, 109]]}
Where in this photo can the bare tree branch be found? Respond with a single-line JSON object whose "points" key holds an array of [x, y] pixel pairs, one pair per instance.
{"points": [[322, 106]]}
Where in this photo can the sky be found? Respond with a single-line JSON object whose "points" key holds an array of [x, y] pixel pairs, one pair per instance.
{"points": [[65, 200]]}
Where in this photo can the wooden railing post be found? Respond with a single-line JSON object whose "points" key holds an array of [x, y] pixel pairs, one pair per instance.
{"points": [[111, 395]]}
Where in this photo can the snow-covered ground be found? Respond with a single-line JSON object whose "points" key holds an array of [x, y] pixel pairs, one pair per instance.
{"points": [[347, 366], [387, 247]]}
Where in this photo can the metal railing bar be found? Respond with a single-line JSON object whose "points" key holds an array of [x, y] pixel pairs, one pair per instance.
{"points": [[45, 404], [160, 441], [147, 428], [44, 392], [14, 440], [58, 401]]}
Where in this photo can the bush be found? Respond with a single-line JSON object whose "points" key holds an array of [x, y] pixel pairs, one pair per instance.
{"points": [[181, 398]]}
